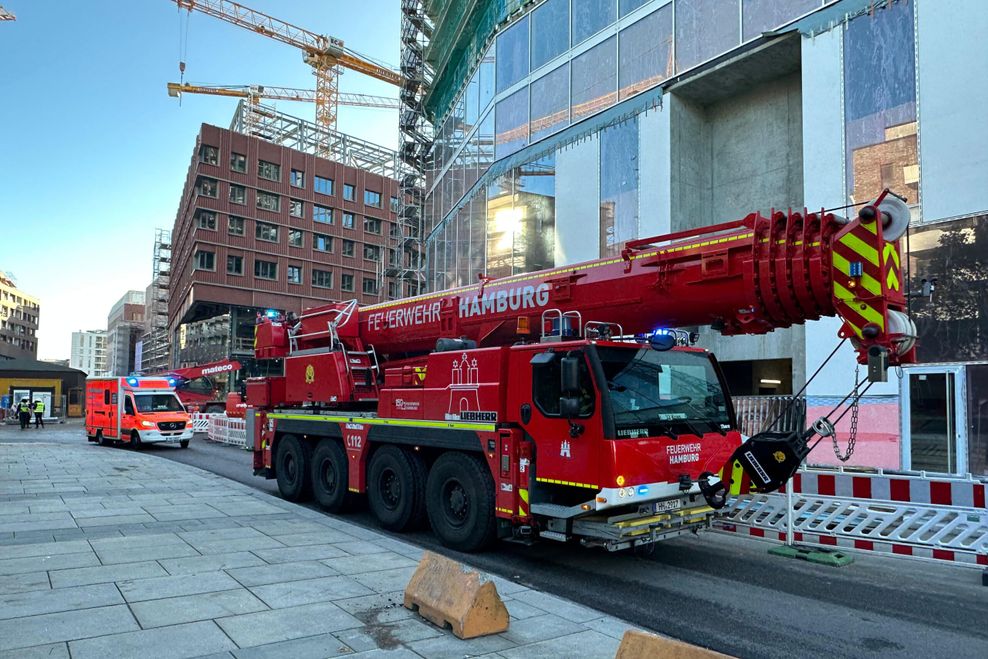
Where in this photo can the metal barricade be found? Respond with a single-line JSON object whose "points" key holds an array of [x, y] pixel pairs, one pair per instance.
{"points": [[921, 516], [757, 413]]}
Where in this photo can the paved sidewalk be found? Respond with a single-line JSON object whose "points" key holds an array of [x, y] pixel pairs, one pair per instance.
{"points": [[104, 551]]}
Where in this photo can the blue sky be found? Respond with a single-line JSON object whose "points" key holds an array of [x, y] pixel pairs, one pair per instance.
{"points": [[93, 152]]}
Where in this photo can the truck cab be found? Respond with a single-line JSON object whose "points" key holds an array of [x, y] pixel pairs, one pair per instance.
{"points": [[135, 411]]}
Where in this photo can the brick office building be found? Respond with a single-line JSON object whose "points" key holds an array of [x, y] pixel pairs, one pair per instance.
{"points": [[263, 226]]}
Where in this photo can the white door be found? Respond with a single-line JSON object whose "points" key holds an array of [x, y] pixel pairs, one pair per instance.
{"points": [[934, 419]]}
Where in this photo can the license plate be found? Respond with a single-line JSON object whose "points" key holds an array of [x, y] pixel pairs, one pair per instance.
{"points": [[666, 506]]}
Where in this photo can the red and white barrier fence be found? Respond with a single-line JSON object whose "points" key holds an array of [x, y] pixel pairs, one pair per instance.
{"points": [[221, 428], [918, 515]]}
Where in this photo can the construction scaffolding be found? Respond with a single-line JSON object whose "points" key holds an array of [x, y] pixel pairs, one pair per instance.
{"points": [[267, 123], [406, 256], [155, 346]]}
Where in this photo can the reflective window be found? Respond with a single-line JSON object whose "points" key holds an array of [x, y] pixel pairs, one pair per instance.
{"points": [[265, 231], [471, 100], [322, 278], [207, 187], [296, 238], [369, 286], [322, 242], [535, 195], [298, 178], [646, 53], [594, 80], [323, 185], [550, 25], [265, 269], [348, 248], [209, 154], [462, 248], [296, 208], [269, 170], [501, 225], [372, 198], [235, 225], [628, 6], [705, 29], [294, 274], [238, 194], [618, 186], [206, 219], [269, 202], [348, 220], [511, 123], [486, 79], [512, 55], [478, 236], [238, 162], [205, 260], [450, 246], [880, 104], [322, 214], [234, 265], [485, 144], [590, 17], [346, 282], [953, 325], [349, 192], [550, 103], [759, 16]]}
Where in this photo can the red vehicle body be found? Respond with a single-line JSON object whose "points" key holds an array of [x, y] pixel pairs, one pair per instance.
{"points": [[197, 389], [524, 406]]}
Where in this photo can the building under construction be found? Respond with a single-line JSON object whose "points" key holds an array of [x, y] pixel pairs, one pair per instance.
{"points": [[278, 213], [549, 132]]}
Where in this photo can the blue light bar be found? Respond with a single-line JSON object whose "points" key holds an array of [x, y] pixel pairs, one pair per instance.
{"points": [[132, 382], [270, 313]]}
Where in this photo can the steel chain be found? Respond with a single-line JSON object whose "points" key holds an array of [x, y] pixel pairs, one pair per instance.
{"points": [[852, 435]]}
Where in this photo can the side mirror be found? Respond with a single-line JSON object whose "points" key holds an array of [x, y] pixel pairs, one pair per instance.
{"points": [[569, 372], [569, 407]]}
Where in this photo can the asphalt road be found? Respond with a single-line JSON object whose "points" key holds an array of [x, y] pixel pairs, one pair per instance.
{"points": [[714, 590]]}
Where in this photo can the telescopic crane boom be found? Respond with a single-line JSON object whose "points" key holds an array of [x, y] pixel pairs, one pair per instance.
{"points": [[326, 55]]}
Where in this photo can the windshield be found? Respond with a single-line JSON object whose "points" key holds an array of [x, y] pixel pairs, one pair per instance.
{"points": [[158, 403], [659, 393]]}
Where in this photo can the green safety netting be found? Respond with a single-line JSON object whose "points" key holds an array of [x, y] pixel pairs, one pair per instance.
{"points": [[462, 29]]}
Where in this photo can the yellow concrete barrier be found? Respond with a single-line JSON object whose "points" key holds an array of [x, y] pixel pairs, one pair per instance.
{"points": [[642, 645], [450, 595]]}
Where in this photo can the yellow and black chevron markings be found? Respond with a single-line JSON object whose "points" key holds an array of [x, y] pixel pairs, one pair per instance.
{"points": [[860, 271]]}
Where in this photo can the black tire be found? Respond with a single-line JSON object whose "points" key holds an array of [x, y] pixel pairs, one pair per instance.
{"points": [[101, 440], [330, 477], [184, 443], [396, 488], [292, 459], [135, 440], [460, 501]]}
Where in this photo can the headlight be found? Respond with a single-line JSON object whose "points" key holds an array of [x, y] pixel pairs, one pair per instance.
{"points": [[147, 424]]}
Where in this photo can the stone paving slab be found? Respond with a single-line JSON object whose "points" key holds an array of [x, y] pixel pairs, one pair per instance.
{"points": [[108, 552]]}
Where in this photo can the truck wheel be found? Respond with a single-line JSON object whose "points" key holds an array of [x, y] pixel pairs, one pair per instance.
{"points": [[460, 501], [101, 440], [135, 440], [292, 461], [331, 477], [184, 443], [396, 488]]}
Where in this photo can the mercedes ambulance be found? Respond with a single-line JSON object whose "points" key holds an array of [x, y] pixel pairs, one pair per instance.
{"points": [[135, 411]]}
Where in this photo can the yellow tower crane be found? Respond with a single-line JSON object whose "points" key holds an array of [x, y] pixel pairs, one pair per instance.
{"points": [[326, 55]]}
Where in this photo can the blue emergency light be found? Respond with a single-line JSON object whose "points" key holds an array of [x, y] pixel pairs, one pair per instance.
{"points": [[270, 313], [132, 382]]}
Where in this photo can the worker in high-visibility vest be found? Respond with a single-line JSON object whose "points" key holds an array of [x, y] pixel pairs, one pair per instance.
{"points": [[39, 412], [24, 413]]}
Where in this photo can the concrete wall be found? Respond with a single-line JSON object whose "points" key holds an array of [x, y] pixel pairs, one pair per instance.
{"points": [[577, 202], [654, 203], [950, 41], [728, 159]]}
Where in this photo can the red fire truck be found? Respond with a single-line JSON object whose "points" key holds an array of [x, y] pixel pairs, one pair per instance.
{"points": [[546, 405]]}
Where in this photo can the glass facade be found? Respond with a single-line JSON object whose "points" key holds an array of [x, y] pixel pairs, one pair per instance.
{"points": [[561, 63], [880, 105]]}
